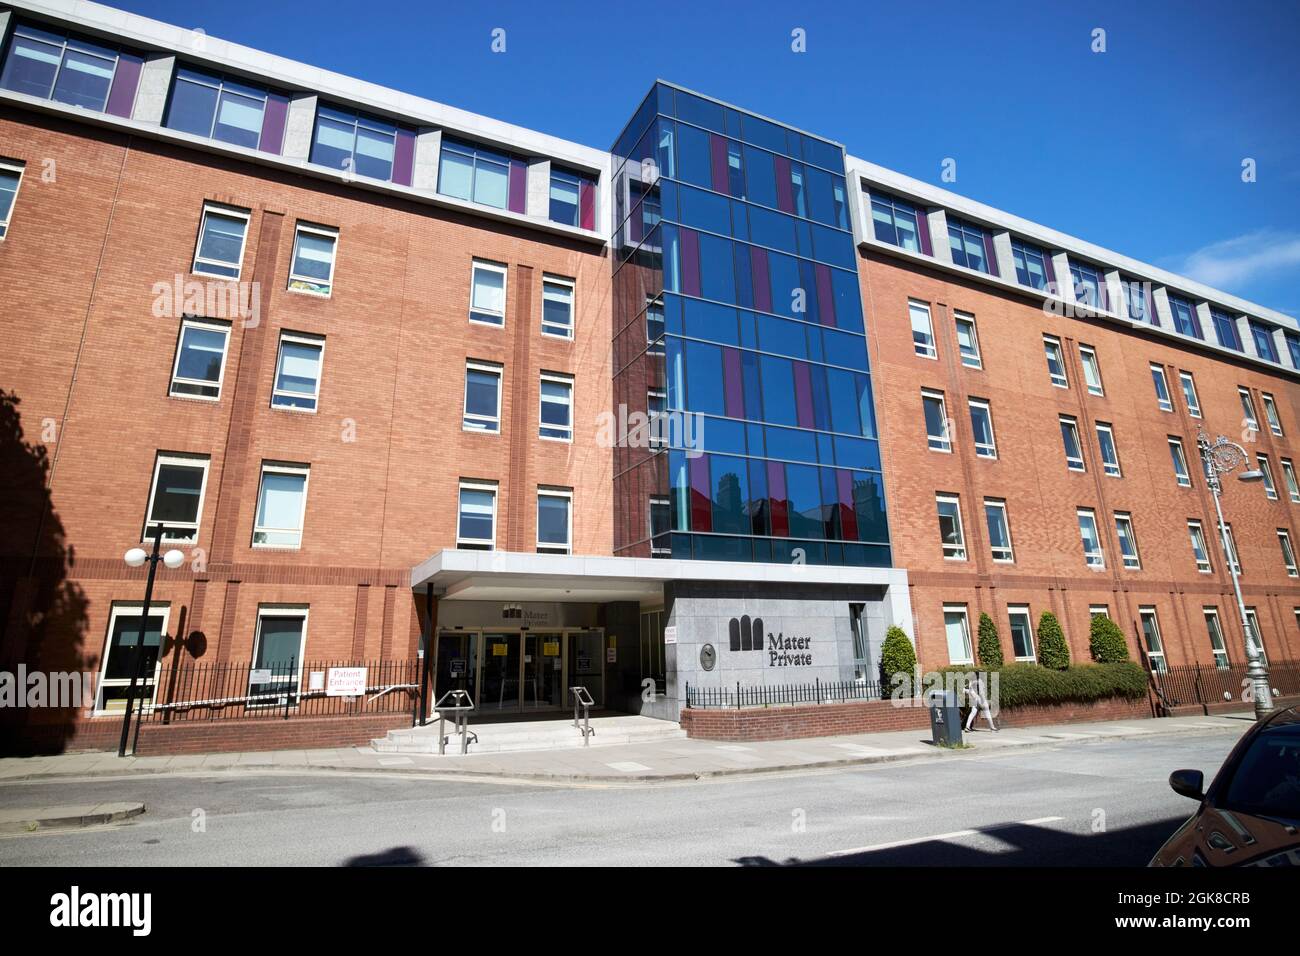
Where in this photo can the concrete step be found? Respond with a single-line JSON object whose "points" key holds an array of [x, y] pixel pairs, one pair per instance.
{"points": [[535, 735]]}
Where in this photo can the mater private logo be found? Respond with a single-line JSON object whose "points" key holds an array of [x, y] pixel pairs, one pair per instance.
{"points": [[76, 909], [747, 635]]}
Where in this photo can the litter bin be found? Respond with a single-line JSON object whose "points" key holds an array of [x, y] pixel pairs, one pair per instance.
{"points": [[945, 719]]}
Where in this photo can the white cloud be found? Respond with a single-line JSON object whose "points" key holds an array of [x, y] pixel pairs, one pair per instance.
{"points": [[1233, 262]]}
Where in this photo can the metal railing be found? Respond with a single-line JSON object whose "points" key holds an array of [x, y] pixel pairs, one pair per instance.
{"points": [[582, 698], [772, 695], [1202, 685], [458, 703]]}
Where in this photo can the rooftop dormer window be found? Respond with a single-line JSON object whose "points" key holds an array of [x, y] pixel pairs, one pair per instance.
{"points": [[66, 69]]}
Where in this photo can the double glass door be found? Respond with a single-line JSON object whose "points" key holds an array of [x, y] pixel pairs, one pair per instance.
{"points": [[519, 671]]}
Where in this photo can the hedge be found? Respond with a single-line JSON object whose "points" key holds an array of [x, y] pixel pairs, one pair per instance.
{"points": [[1106, 641], [897, 655], [1053, 652], [1024, 685], [989, 649]]}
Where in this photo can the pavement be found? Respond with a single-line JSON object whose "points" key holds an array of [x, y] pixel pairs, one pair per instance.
{"points": [[666, 760], [25, 820]]}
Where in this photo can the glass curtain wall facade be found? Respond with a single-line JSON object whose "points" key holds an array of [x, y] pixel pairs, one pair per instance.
{"points": [[741, 379]]}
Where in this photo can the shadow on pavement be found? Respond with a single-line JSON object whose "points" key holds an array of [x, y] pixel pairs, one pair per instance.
{"points": [[396, 856]]}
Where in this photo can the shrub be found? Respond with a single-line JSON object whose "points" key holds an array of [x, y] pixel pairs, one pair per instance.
{"points": [[1053, 652], [897, 656], [990, 647], [1106, 641], [1024, 685]]}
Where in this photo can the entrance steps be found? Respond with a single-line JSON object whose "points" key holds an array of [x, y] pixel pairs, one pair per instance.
{"points": [[558, 734]]}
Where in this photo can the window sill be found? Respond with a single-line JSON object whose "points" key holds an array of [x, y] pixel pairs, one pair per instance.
{"points": [[553, 335], [206, 399], [292, 410], [276, 547], [481, 431], [211, 275], [309, 292], [561, 441]]}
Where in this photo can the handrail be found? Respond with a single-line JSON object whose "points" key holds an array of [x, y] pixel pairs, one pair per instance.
{"points": [[273, 695], [464, 704], [582, 698]]}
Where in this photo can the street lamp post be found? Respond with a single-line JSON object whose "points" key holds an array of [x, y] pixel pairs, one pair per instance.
{"points": [[1220, 457], [134, 558]]}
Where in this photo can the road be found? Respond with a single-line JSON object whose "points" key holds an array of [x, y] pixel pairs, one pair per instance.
{"points": [[1080, 804]]}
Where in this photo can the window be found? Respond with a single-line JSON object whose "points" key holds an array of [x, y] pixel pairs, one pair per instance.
{"points": [[1293, 346], [1151, 634], [1231, 546], [120, 662], [1070, 438], [1265, 347], [1266, 468], [1186, 320], [1255, 634], [298, 372], [897, 222], [1091, 369], [200, 359], [312, 270], [981, 423], [216, 107], [474, 174], [1270, 413], [220, 251], [957, 630], [1033, 265], [176, 497], [557, 307], [476, 526], [1189, 394], [971, 246], [1292, 486], [554, 520], [1216, 637], [1288, 556], [567, 205], [1098, 610], [1250, 419], [922, 331], [1162, 388], [660, 526], [11, 176], [936, 421], [656, 403], [950, 532], [1128, 546], [1225, 328], [281, 505], [1199, 551], [555, 416], [1140, 306], [487, 297], [1089, 285], [1180, 462], [278, 648], [1092, 552], [1055, 362], [1022, 631], [654, 327], [354, 142], [54, 66], [968, 342], [482, 397], [995, 514], [1109, 453]]}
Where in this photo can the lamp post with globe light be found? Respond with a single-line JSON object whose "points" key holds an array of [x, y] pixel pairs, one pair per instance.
{"points": [[1220, 457], [173, 559]]}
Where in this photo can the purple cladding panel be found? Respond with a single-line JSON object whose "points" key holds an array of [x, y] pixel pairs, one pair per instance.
{"points": [[923, 231], [848, 516], [690, 262], [762, 279], [718, 157], [587, 205], [784, 194], [701, 500], [989, 255], [780, 505], [404, 157], [518, 201], [803, 395], [121, 96], [273, 120], [733, 382], [825, 295], [1050, 271]]}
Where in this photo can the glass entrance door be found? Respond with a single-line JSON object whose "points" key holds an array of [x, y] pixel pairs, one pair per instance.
{"points": [[587, 664], [543, 671], [457, 667], [501, 672]]}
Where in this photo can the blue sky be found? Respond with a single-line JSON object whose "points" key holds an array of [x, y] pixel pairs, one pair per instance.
{"points": [[1138, 149]]}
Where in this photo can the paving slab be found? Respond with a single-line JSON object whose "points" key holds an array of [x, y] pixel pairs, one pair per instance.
{"points": [[26, 820]]}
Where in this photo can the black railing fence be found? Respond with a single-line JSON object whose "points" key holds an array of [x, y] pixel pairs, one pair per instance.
{"points": [[769, 695], [191, 690], [1205, 684]]}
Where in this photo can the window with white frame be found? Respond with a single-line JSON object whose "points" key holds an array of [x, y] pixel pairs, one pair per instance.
{"points": [[956, 628], [1266, 469], [1098, 610], [1255, 634], [1109, 452], [1022, 631], [176, 497], [1070, 441], [476, 521], [656, 401], [950, 530], [1128, 544], [922, 330], [968, 343], [1292, 485], [981, 423], [1091, 369], [1179, 460], [1199, 551], [1288, 555], [660, 526], [995, 516], [1161, 384], [11, 177], [1189, 394], [223, 232], [1216, 637], [482, 397], [1092, 551], [121, 660], [1270, 413], [200, 360], [281, 505], [937, 432], [555, 420], [278, 650], [554, 520], [314, 251], [654, 326], [298, 372], [1249, 419], [1151, 635], [1232, 546], [487, 295], [557, 307], [1055, 361]]}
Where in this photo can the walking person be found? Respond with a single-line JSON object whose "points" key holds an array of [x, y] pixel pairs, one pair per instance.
{"points": [[979, 703]]}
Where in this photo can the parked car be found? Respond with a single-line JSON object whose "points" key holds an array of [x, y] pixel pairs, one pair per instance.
{"points": [[1250, 815]]}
